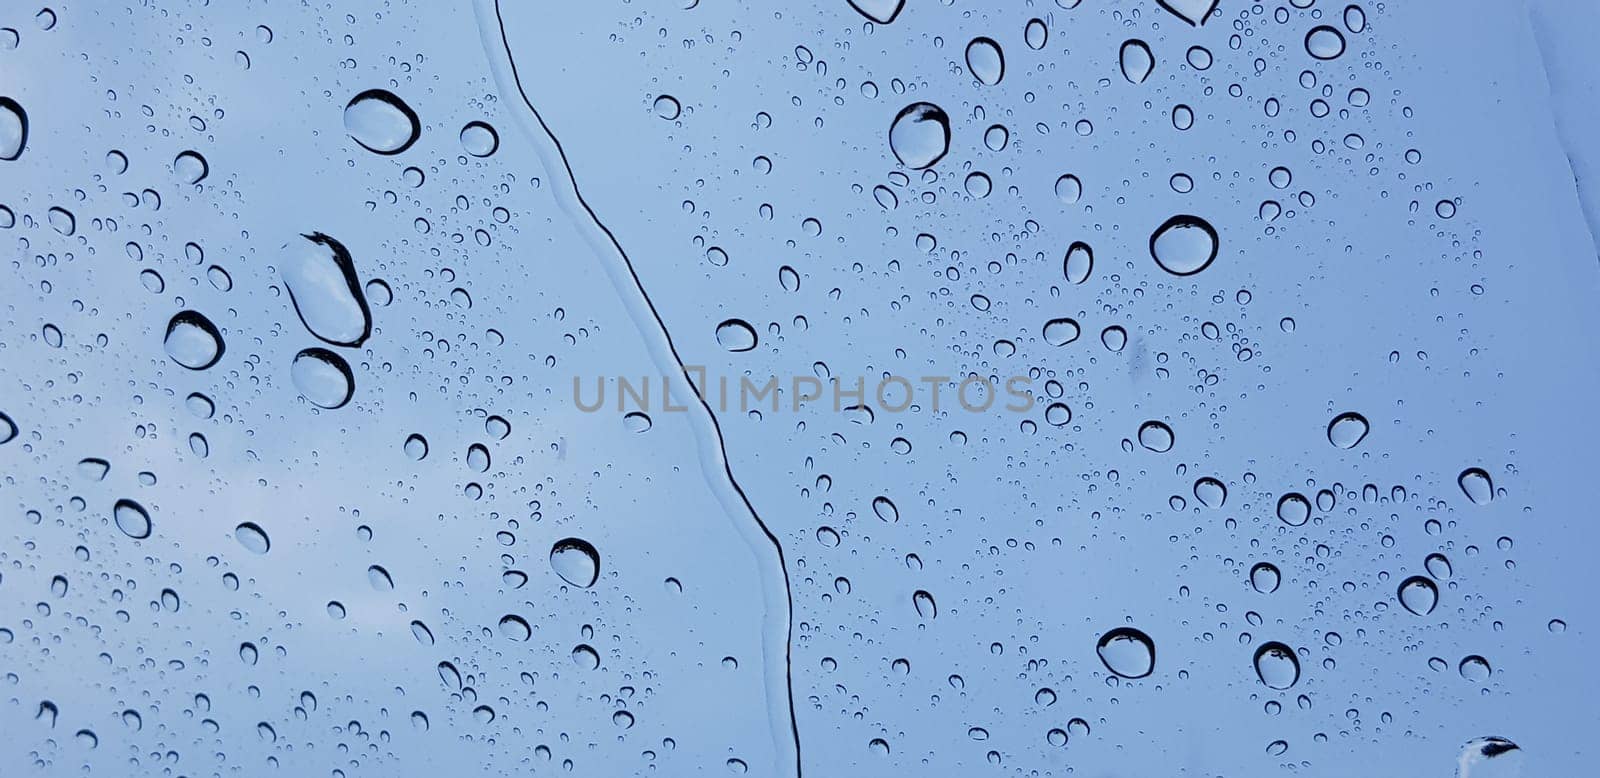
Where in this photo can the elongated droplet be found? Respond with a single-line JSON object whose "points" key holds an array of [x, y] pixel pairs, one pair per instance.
{"points": [[1277, 666], [576, 561], [1136, 60], [1127, 652], [381, 122], [1324, 42], [322, 377], [923, 602], [1264, 577], [1079, 262], [986, 61], [252, 537], [920, 135], [325, 291], [193, 341], [132, 519], [1476, 485], [13, 129]]}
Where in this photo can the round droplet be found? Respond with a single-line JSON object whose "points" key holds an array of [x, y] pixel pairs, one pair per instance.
{"points": [[515, 627], [1199, 57], [1068, 189], [479, 139], [1156, 436], [585, 657], [1184, 245], [322, 377], [1347, 430], [324, 289], [1060, 332], [1127, 652], [1114, 338], [381, 122], [1264, 577], [1418, 595], [1036, 34], [1294, 509], [1136, 60], [920, 135], [986, 61], [132, 519], [193, 341], [576, 561], [191, 167], [1324, 42], [252, 537], [736, 335], [13, 129], [1210, 492], [1476, 485], [667, 107], [1277, 666], [1079, 262], [416, 447], [1475, 668]]}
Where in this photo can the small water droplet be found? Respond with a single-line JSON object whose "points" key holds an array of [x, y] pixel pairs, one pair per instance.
{"points": [[667, 107], [1277, 666], [1475, 668], [1419, 595], [1210, 492], [193, 341], [1068, 188], [736, 335], [191, 167], [1156, 436], [1264, 577], [480, 139], [1347, 430], [379, 579], [1324, 42], [1294, 509], [1476, 485], [252, 537], [322, 377]]}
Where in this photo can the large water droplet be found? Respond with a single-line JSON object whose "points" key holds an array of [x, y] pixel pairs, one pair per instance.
{"points": [[1136, 60], [736, 335], [8, 429], [1418, 595], [416, 447], [1294, 509], [193, 341], [1264, 577], [480, 139], [880, 11], [1489, 757], [1184, 245], [920, 135], [1438, 566], [1476, 485], [381, 122], [1060, 332], [1210, 492], [1079, 262], [132, 519], [252, 537], [1127, 652], [1347, 430], [1324, 42], [324, 290], [576, 561], [515, 627], [1195, 12], [1277, 666], [191, 167], [1068, 188], [323, 377], [13, 129], [986, 61], [1156, 436], [1036, 34], [1475, 668]]}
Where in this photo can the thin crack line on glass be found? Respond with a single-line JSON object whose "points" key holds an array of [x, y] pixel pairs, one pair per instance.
{"points": [[613, 247]]}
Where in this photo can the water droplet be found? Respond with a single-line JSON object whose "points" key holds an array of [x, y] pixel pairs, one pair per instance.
{"points": [[1264, 577], [1068, 189], [636, 421], [1058, 415], [191, 167], [1210, 492], [379, 579], [416, 447], [1347, 430], [336, 610], [986, 61], [576, 561], [252, 537], [1060, 332], [13, 129], [1195, 12], [736, 335], [1476, 485], [1036, 34], [1324, 42], [324, 290], [1475, 668], [1489, 757], [667, 107], [978, 185], [1355, 19], [1156, 436], [1418, 595], [1079, 262], [1184, 245], [1294, 509], [1438, 566], [885, 509], [880, 11], [1127, 652], [1277, 666], [381, 122], [923, 602], [193, 341], [322, 377], [132, 519], [423, 635], [1136, 60], [1278, 748], [94, 468], [1199, 57], [479, 139], [920, 135], [61, 220], [585, 657], [515, 627]]}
